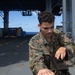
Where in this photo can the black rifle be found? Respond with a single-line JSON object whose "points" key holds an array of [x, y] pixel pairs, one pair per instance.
{"points": [[56, 69], [58, 65]]}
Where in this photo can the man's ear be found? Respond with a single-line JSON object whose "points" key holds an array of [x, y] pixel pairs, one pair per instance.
{"points": [[39, 25]]}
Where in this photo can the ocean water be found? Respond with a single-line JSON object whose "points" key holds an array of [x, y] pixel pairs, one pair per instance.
{"points": [[31, 33]]}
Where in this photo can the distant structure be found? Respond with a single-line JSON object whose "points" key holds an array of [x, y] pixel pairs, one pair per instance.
{"points": [[19, 31], [60, 28], [13, 32]]}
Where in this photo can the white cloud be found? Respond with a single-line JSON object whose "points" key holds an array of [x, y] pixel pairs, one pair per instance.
{"points": [[33, 13]]}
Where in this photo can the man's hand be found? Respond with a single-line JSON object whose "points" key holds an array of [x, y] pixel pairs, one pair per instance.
{"points": [[60, 53], [45, 72]]}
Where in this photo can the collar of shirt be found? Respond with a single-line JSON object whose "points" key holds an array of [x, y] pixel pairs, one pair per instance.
{"points": [[43, 40]]}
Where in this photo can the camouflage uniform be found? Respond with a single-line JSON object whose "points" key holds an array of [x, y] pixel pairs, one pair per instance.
{"points": [[40, 50]]}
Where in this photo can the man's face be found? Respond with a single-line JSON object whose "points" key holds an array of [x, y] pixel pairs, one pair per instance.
{"points": [[46, 29]]}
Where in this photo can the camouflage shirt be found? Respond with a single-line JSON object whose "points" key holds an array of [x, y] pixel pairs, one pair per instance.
{"points": [[38, 47]]}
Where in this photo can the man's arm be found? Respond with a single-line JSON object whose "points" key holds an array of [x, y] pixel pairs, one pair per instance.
{"points": [[36, 59], [68, 47]]}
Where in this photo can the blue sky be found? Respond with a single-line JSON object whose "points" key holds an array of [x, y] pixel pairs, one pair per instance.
{"points": [[28, 23]]}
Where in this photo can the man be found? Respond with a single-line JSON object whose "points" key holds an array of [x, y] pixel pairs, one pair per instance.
{"points": [[49, 42]]}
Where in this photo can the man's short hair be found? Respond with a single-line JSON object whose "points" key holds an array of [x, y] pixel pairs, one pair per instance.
{"points": [[46, 16]]}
